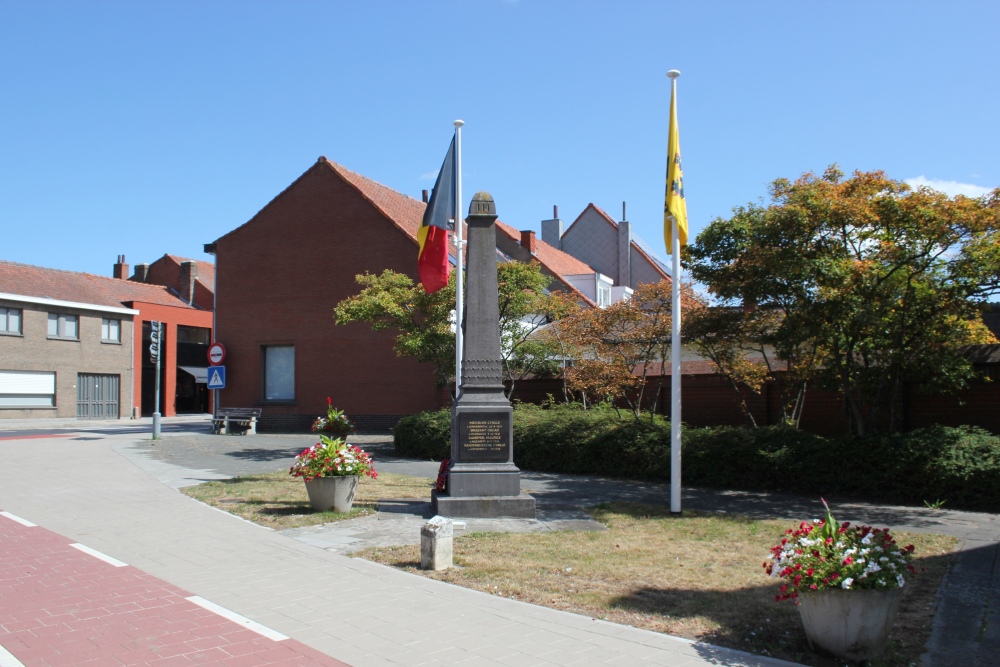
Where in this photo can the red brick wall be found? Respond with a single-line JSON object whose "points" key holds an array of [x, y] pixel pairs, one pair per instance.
{"points": [[278, 279]]}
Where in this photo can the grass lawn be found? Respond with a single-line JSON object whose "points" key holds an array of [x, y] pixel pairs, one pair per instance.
{"points": [[278, 500], [697, 576]]}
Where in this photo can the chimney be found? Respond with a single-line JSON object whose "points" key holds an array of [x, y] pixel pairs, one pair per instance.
{"points": [[552, 230], [624, 277], [528, 240], [120, 270], [189, 273], [141, 273], [423, 196]]}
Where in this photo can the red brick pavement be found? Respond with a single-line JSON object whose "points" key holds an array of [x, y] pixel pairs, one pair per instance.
{"points": [[62, 607]]}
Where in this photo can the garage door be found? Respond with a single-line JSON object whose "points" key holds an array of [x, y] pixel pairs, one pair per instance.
{"points": [[97, 396]]}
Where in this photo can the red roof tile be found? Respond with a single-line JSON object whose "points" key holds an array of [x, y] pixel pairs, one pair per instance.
{"points": [[206, 270], [556, 261], [407, 213], [36, 281]]}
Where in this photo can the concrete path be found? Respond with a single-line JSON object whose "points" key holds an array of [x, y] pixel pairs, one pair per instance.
{"points": [[966, 632], [361, 613]]}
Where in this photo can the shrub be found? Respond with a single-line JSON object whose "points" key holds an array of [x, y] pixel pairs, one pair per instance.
{"points": [[958, 465], [425, 435]]}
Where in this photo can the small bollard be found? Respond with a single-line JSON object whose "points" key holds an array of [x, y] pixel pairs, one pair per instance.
{"points": [[436, 544]]}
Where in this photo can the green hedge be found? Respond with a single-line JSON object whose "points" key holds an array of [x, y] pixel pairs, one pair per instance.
{"points": [[958, 465]]}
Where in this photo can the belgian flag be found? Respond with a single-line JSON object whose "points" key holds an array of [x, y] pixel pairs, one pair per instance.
{"points": [[432, 262]]}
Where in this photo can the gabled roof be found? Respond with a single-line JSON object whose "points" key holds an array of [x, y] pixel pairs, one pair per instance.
{"points": [[40, 282], [404, 212], [654, 262], [556, 261], [599, 211]]}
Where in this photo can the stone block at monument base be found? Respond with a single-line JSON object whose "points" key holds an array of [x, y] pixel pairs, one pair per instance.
{"points": [[484, 507]]}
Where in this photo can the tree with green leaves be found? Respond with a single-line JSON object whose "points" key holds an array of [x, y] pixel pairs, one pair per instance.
{"points": [[425, 326], [878, 282]]}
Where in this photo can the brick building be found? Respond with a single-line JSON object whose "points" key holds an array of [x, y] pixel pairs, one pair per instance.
{"points": [[280, 274], [278, 277], [71, 344]]}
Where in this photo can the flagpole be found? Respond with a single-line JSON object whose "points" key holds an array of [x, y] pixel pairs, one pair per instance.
{"points": [[675, 349], [459, 281]]}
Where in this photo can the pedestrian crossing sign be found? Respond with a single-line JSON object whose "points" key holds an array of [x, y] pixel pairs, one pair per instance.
{"points": [[217, 377]]}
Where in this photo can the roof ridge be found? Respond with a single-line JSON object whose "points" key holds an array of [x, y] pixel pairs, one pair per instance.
{"points": [[349, 177], [78, 273]]}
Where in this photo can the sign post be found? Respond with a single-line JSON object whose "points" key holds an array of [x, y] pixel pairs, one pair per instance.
{"points": [[154, 352], [216, 355]]}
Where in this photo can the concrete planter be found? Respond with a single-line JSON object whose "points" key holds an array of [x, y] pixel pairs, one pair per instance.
{"points": [[332, 492], [853, 625]]}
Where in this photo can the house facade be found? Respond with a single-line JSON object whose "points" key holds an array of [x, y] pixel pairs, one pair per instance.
{"points": [[63, 358], [77, 345], [609, 247], [279, 276]]}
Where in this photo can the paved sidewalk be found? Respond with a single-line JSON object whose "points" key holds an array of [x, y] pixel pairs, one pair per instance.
{"points": [[353, 610], [64, 604], [966, 632]]}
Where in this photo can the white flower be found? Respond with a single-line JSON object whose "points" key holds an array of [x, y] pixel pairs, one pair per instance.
{"points": [[846, 583], [900, 580], [867, 539], [873, 567]]}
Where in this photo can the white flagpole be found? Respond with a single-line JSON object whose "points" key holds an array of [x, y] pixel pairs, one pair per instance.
{"points": [[675, 351], [459, 281]]}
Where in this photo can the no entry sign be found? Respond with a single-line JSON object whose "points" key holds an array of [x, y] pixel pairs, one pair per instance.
{"points": [[216, 354]]}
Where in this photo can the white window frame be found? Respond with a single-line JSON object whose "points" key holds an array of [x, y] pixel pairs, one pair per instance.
{"points": [[61, 319], [603, 294], [6, 315], [111, 330], [277, 383]]}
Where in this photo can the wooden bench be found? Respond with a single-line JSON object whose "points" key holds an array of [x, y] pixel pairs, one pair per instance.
{"points": [[247, 416]]}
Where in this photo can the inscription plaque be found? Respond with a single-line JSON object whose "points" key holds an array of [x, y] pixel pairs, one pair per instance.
{"points": [[483, 437]]}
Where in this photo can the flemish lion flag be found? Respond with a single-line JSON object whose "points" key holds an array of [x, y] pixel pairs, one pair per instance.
{"points": [[432, 262], [675, 204]]}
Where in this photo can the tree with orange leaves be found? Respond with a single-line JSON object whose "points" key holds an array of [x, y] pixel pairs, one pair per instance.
{"points": [[880, 283]]}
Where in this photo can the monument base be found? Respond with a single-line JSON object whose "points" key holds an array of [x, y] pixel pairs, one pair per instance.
{"points": [[484, 507]]}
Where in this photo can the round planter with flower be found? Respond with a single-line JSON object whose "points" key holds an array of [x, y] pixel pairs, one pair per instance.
{"points": [[335, 423], [847, 582], [331, 469]]}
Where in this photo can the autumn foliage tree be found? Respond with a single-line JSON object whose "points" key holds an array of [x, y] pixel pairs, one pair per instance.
{"points": [[879, 283], [616, 349]]}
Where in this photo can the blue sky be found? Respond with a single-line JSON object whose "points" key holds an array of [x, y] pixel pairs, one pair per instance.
{"points": [[144, 128]]}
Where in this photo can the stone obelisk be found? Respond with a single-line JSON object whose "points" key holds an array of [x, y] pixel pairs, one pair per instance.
{"points": [[482, 478]]}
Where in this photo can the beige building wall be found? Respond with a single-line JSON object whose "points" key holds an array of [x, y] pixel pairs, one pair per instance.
{"points": [[32, 349]]}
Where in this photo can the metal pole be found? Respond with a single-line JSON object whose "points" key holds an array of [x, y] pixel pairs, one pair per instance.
{"points": [[156, 400], [675, 348], [459, 279], [675, 372]]}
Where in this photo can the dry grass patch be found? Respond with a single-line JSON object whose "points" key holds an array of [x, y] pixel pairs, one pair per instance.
{"points": [[279, 501], [698, 576]]}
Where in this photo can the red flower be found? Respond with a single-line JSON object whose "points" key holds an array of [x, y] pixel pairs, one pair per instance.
{"points": [[329, 401]]}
